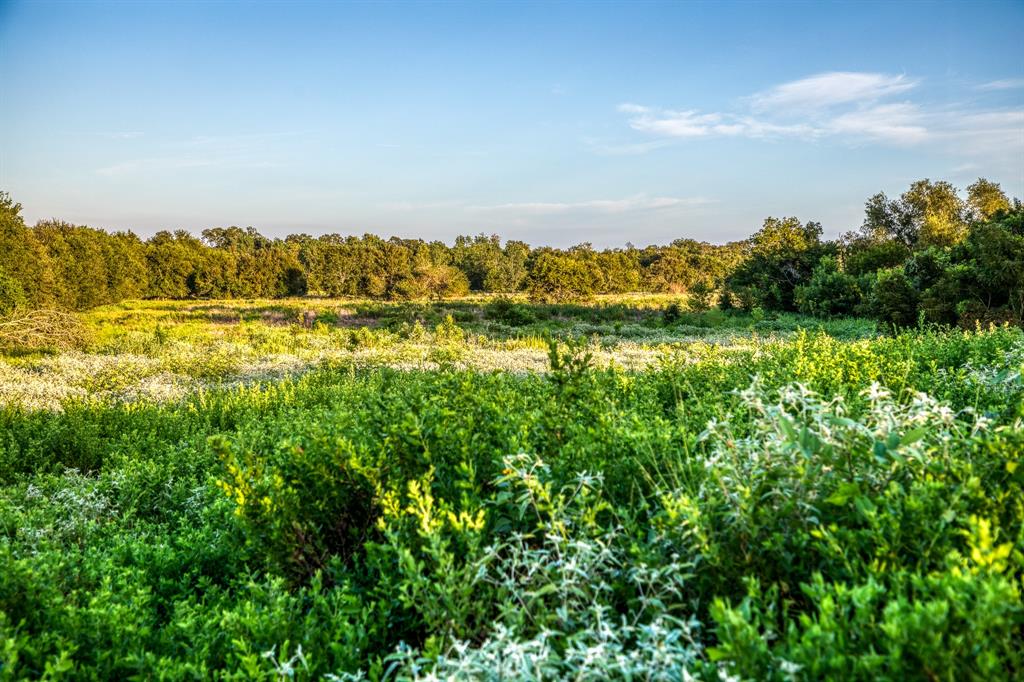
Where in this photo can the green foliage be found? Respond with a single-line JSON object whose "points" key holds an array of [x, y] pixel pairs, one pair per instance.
{"points": [[865, 256], [986, 199], [829, 292], [978, 281], [808, 507], [894, 299], [216, 491], [507, 311], [672, 313], [929, 228], [23, 260], [783, 255], [687, 264], [448, 332], [927, 214], [304, 501], [557, 278], [12, 295]]}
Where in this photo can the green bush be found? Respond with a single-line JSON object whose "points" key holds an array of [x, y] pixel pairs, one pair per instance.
{"points": [[12, 295], [829, 292], [305, 501], [894, 299], [507, 311], [791, 508]]}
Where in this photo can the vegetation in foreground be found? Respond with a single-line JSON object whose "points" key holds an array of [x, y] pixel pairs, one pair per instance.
{"points": [[801, 507]]}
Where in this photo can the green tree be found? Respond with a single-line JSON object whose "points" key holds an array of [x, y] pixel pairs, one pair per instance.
{"points": [[510, 272], [927, 214], [864, 255], [23, 259], [994, 254], [558, 277], [477, 257], [985, 199], [940, 211], [829, 292], [783, 254], [12, 295], [79, 262], [173, 261], [441, 281], [127, 274], [894, 299], [620, 271]]}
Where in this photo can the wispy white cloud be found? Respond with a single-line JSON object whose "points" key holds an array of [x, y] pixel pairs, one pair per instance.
{"points": [[630, 108], [679, 123], [1004, 84], [900, 123], [830, 89], [851, 108], [607, 147], [693, 124]]}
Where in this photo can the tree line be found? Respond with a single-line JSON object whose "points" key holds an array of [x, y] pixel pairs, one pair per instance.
{"points": [[929, 254]]}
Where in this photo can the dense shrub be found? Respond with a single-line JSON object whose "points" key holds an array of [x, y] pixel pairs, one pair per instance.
{"points": [[304, 500], [556, 278], [806, 507], [829, 291], [507, 311], [894, 299], [783, 254], [12, 295]]}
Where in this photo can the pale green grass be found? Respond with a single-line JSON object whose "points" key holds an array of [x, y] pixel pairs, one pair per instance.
{"points": [[164, 350]]}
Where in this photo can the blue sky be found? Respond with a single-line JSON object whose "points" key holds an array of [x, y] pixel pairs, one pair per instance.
{"points": [[556, 123]]}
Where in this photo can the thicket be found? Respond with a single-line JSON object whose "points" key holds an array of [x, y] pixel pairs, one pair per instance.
{"points": [[928, 255], [810, 509]]}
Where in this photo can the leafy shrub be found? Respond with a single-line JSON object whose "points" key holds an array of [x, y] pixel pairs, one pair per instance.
{"points": [[855, 513], [893, 298], [829, 291], [555, 582], [701, 296], [672, 313], [505, 310], [304, 502], [448, 332], [12, 295], [364, 337], [868, 257]]}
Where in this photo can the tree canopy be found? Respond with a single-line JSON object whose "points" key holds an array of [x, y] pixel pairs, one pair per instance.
{"points": [[929, 254]]}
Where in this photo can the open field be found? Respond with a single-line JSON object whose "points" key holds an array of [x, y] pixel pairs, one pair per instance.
{"points": [[166, 349], [512, 341], [490, 489]]}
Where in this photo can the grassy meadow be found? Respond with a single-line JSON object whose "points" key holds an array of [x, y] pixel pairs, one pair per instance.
{"points": [[486, 488]]}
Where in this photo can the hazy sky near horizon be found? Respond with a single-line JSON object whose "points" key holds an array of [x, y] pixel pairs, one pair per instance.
{"points": [[555, 123]]}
